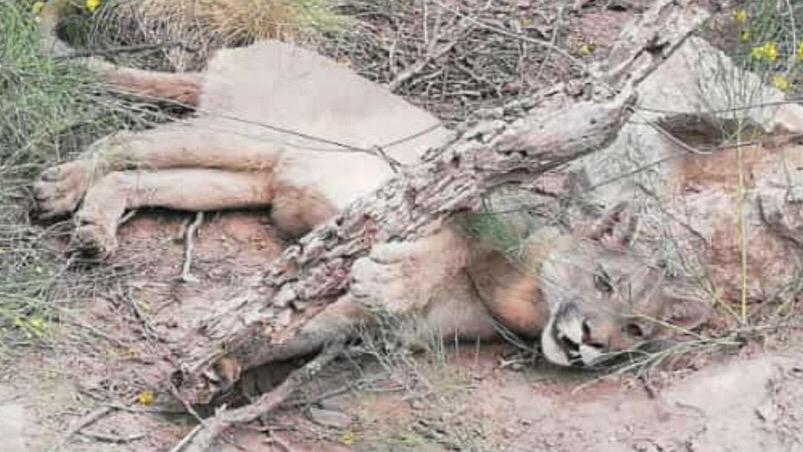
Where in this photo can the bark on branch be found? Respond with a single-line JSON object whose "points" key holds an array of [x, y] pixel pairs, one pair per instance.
{"points": [[554, 126]]}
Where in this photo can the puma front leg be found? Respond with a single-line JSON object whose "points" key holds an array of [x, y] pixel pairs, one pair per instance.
{"points": [[395, 278], [401, 277]]}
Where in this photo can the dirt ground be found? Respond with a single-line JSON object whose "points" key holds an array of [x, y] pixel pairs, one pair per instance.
{"points": [[458, 397]]}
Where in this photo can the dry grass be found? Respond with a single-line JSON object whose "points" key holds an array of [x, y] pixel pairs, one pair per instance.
{"points": [[453, 58], [48, 111], [205, 26]]}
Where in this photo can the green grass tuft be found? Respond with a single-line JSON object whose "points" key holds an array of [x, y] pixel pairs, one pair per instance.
{"points": [[503, 223]]}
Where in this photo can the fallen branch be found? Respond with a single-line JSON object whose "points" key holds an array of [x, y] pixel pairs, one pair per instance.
{"points": [[202, 438]]}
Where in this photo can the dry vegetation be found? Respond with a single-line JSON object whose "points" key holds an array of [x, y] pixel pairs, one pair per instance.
{"points": [[201, 27], [449, 57], [48, 110]]}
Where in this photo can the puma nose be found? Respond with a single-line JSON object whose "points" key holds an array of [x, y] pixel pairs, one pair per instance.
{"points": [[571, 338], [595, 334]]}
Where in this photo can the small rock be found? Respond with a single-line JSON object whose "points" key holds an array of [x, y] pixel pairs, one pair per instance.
{"points": [[767, 412], [417, 404], [328, 418], [284, 297], [795, 194], [646, 446], [336, 403], [12, 422], [284, 317]]}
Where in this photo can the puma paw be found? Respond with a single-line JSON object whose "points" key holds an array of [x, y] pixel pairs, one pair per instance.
{"points": [[59, 189], [388, 278], [208, 385], [219, 378], [95, 240]]}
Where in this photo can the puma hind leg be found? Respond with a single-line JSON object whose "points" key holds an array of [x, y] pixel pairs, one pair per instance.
{"points": [[181, 189], [61, 188]]}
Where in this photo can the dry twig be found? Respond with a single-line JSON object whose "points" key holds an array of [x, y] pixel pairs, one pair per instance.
{"points": [[434, 52], [189, 234], [201, 439], [109, 438], [82, 423]]}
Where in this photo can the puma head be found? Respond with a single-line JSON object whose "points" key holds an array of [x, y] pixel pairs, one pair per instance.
{"points": [[604, 299]]}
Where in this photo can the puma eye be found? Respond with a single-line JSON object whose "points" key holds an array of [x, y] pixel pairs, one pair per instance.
{"points": [[603, 282], [634, 330]]}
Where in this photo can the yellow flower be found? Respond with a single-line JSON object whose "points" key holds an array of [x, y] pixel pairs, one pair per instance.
{"points": [[586, 49], [348, 438], [32, 328], [745, 36], [37, 323], [768, 51], [800, 52], [771, 51], [36, 8], [92, 5], [740, 16], [780, 82], [146, 398]]}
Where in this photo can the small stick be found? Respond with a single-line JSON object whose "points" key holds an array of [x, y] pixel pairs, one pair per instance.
{"points": [[82, 423], [85, 422], [552, 42], [202, 438], [187, 438], [510, 34], [276, 439], [433, 53], [148, 328], [108, 438], [186, 276], [129, 215]]}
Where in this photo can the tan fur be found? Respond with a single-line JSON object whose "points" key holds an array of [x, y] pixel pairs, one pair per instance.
{"points": [[181, 89]]}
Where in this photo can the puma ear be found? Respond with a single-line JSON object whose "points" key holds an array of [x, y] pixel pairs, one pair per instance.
{"points": [[684, 311], [617, 227]]}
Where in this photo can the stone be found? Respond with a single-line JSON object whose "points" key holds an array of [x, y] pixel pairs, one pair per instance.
{"points": [[329, 418]]}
